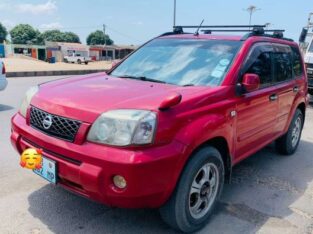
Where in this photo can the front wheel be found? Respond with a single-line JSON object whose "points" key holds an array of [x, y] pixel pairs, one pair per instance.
{"points": [[288, 143], [197, 191], [311, 91]]}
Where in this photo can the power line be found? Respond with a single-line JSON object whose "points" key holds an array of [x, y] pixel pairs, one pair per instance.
{"points": [[95, 27]]}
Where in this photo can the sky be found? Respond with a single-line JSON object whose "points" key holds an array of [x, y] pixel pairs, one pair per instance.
{"points": [[136, 21]]}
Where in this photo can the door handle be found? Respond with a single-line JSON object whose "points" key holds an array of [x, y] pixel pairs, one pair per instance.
{"points": [[273, 97], [295, 89]]}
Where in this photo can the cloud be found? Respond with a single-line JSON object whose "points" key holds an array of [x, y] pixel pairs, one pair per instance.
{"points": [[53, 25], [36, 9]]}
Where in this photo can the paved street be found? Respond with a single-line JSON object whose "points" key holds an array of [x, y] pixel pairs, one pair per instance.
{"points": [[269, 193]]}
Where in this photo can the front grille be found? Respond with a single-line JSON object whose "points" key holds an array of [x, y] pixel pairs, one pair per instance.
{"points": [[54, 125]]}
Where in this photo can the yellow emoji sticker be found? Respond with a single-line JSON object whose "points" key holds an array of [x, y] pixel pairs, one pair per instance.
{"points": [[31, 159]]}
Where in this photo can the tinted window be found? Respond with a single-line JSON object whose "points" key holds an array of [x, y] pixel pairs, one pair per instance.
{"points": [[282, 66], [297, 62], [181, 61], [262, 66]]}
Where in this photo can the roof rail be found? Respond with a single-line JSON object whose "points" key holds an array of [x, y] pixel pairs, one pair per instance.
{"points": [[253, 30]]}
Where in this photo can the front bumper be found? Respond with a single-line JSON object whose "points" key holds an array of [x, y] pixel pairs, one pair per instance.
{"points": [[310, 77], [87, 169]]}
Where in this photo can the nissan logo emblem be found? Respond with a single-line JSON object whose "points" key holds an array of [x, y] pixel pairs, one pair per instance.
{"points": [[47, 122]]}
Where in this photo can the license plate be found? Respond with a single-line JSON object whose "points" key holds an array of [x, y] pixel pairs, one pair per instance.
{"points": [[48, 170]]}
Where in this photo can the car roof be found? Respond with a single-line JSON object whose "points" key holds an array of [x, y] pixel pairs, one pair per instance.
{"points": [[204, 37], [230, 38]]}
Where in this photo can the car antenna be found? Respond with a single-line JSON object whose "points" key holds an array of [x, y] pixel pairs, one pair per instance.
{"points": [[197, 32]]}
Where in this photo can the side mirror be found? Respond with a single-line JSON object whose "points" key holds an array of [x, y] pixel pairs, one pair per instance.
{"points": [[251, 82], [303, 35]]}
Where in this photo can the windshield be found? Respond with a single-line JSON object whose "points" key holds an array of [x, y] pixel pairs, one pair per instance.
{"points": [[181, 61]]}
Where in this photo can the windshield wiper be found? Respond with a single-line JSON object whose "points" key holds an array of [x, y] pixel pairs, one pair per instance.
{"points": [[143, 78]]}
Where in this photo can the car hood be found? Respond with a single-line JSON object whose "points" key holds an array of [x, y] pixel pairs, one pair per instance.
{"points": [[86, 97]]}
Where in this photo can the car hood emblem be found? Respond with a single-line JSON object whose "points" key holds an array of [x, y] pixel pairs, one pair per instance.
{"points": [[47, 122]]}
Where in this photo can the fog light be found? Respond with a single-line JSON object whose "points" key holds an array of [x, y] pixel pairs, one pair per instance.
{"points": [[119, 181]]}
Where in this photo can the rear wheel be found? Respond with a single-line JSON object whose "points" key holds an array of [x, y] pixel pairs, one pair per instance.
{"points": [[65, 60], [311, 91], [79, 61], [196, 193], [288, 143], [86, 62]]}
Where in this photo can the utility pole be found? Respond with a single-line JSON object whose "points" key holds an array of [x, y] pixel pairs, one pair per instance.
{"points": [[105, 39], [251, 9], [174, 20]]}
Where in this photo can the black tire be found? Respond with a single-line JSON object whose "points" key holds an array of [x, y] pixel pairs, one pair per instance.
{"points": [[86, 62], [79, 61], [311, 91], [285, 144], [65, 60], [177, 211]]}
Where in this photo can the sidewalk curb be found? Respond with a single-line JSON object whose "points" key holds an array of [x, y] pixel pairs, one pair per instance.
{"points": [[52, 73]]}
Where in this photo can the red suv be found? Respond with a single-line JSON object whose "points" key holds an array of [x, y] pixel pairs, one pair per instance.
{"points": [[164, 127]]}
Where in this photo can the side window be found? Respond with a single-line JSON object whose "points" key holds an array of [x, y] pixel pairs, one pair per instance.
{"points": [[262, 66], [282, 62], [297, 62]]}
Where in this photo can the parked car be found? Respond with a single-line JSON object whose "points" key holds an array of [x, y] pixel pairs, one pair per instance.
{"points": [[306, 45], [3, 80], [164, 127], [77, 58]]}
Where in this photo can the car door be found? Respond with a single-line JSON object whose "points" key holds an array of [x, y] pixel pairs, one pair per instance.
{"points": [[256, 111], [286, 87]]}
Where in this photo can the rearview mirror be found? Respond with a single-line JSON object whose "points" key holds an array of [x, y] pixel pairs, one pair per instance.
{"points": [[303, 35], [251, 82]]}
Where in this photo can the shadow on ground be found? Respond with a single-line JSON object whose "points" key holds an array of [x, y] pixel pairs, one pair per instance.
{"points": [[264, 187], [5, 107]]}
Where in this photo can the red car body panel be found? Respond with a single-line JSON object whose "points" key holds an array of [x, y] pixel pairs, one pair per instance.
{"points": [[152, 171]]}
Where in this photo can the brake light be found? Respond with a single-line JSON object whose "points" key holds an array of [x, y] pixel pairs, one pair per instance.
{"points": [[3, 68]]}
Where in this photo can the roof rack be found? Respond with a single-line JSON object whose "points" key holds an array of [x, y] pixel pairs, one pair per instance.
{"points": [[252, 30]]}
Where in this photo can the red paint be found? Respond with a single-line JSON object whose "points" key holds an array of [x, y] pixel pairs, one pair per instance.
{"points": [[251, 82], [170, 101], [196, 115], [34, 53]]}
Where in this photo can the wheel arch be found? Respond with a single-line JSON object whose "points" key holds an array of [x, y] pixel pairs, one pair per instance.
{"points": [[302, 108], [221, 144]]}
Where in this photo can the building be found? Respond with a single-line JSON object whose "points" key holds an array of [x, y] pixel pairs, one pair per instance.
{"points": [[110, 52], [59, 50], [34, 51]]}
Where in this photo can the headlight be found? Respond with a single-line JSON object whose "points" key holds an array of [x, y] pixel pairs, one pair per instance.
{"points": [[124, 127], [27, 99]]}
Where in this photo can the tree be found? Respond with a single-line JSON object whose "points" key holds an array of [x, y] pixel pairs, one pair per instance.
{"points": [[71, 37], [98, 38], [3, 33], [57, 35], [52, 35], [26, 34]]}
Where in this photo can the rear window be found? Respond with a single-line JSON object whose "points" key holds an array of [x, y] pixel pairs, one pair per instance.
{"points": [[297, 62], [181, 61]]}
